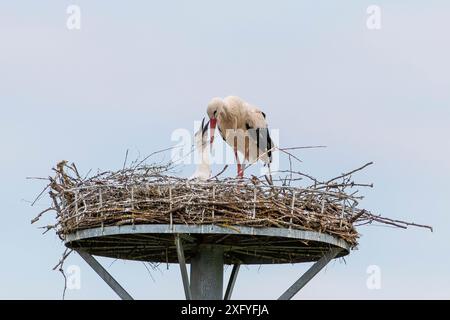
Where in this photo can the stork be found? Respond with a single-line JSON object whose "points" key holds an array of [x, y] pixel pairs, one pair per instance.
{"points": [[203, 171], [258, 132], [243, 127]]}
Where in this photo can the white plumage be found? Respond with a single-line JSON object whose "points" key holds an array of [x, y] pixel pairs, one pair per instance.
{"points": [[243, 127], [203, 171]]}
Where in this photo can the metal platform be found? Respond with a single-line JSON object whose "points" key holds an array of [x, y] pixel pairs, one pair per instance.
{"points": [[207, 248], [244, 245]]}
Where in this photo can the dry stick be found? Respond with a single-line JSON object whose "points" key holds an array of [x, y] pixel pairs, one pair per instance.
{"points": [[345, 185], [63, 258], [274, 148], [170, 206], [148, 270], [220, 173], [155, 153], [285, 150], [357, 216], [125, 161], [214, 199], [87, 174], [74, 168], [65, 282], [60, 265], [349, 173], [298, 148], [132, 207], [40, 214], [40, 194], [419, 225], [260, 156], [288, 153], [254, 203], [100, 196], [290, 168], [317, 182], [76, 202], [36, 178], [55, 202], [395, 222], [292, 210]]}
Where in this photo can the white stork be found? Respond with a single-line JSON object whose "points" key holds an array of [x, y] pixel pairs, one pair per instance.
{"points": [[203, 171], [243, 127]]}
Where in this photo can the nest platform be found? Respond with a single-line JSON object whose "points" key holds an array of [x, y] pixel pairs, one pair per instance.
{"points": [[144, 213], [135, 214], [240, 245]]}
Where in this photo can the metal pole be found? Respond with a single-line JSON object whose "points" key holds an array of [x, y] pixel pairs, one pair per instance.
{"points": [[232, 282], [207, 273], [309, 274], [183, 269], [98, 268]]}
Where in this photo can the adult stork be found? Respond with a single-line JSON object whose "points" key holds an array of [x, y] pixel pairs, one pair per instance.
{"points": [[243, 127]]}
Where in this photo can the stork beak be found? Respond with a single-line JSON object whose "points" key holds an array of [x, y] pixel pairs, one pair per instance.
{"points": [[212, 130], [204, 127]]}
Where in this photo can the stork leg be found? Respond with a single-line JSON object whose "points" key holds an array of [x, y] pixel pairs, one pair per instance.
{"points": [[269, 175], [240, 168]]}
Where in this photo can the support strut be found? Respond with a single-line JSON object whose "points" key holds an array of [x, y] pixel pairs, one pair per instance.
{"points": [[108, 278], [309, 274]]}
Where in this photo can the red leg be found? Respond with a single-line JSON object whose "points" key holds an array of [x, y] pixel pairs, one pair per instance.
{"points": [[240, 169]]}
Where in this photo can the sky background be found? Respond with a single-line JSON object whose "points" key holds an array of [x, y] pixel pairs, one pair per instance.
{"points": [[138, 70]]}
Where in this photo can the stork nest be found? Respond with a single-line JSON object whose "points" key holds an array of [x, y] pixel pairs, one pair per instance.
{"points": [[149, 194]]}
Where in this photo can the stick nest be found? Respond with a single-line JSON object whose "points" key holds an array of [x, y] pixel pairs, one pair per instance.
{"points": [[149, 194]]}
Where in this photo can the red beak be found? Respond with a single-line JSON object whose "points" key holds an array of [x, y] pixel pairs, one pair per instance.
{"points": [[212, 130]]}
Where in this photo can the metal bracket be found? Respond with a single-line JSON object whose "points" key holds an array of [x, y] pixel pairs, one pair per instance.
{"points": [[309, 274], [108, 278], [232, 281], [183, 268]]}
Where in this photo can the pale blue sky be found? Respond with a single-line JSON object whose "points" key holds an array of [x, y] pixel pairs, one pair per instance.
{"points": [[137, 71]]}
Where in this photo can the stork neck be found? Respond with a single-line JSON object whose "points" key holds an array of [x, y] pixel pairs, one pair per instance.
{"points": [[225, 113]]}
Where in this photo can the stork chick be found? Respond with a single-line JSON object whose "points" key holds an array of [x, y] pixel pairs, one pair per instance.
{"points": [[203, 171]]}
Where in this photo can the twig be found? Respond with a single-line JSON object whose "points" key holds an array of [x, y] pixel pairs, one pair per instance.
{"points": [[40, 195], [40, 214], [298, 148], [125, 161], [349, 173], [220, 173]]}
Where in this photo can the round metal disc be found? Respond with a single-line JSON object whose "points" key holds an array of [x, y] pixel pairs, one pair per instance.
{"points": [[245, 245]]}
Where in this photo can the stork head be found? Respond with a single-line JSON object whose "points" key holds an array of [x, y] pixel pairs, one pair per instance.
{"points": [[200, 135], [214, 108]]}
